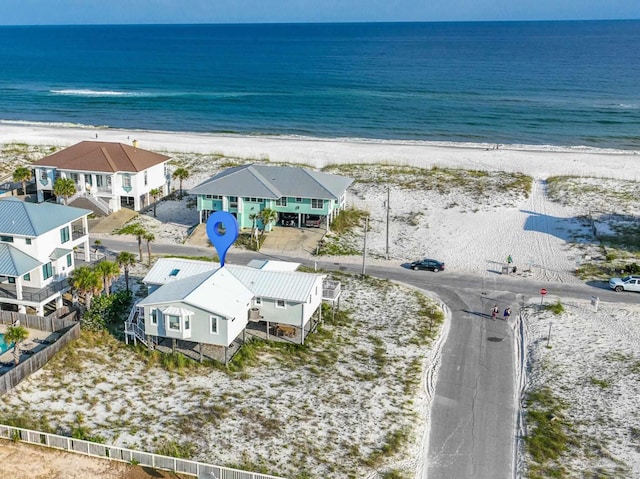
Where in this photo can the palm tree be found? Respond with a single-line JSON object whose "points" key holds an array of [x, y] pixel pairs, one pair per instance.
{"points": [[155, 194], [126, 260], [136, 230], [86, 282], [149, 237], [15, 335], [22, 174], [180, 174], [64, 187], [267, 216], [109, 271]]}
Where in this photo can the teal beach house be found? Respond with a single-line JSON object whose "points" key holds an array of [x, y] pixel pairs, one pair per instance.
{"points": [[298, 196]]}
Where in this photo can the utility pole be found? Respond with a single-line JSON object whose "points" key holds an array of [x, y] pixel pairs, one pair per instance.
{"points": [[388, 207], [364, 249]]}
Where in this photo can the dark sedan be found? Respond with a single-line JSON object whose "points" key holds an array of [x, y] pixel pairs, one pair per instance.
{"points": [[428, 264]]}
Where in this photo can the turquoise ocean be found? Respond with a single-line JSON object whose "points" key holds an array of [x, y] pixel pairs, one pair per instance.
{"points": [[525, 83]]}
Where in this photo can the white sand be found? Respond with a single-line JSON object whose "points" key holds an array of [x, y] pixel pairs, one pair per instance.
{"points": [[470, 234]]}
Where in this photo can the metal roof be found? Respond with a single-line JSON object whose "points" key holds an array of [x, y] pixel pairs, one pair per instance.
{"points": [[102, 156], [288, 285], [59, 253], [161, 272], [33, 219], [276, 283], [268, 181], [14, 262], [216, 291], [273, 265]]}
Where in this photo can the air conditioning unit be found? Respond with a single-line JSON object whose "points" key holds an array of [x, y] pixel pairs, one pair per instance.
{"points": [[254, 314]]}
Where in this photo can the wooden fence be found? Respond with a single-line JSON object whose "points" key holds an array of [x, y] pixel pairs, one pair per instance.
{"points": [[66, 327], [114, 453]]}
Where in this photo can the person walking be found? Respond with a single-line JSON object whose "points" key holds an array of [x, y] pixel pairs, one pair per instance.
{"points": [[494, 312], [506, 314]]}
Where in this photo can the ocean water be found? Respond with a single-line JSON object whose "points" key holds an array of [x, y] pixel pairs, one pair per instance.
{"points": [[538, 83]]}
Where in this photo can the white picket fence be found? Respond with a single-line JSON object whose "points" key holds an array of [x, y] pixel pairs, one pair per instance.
{"points": [[114, 453]]}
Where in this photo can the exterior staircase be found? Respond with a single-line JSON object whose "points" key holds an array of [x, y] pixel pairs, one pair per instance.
{"points": [[134, 327], [93, 203]]}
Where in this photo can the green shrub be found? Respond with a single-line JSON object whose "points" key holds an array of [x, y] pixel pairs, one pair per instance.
{"points": [[556, 308]]}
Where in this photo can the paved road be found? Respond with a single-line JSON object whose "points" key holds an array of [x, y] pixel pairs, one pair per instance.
{"points": [[473, 415]]}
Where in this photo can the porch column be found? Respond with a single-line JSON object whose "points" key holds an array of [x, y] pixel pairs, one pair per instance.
{"points": [[87, 251], [136, 202], [94, 185], [59, 302], [40, 310], [83, 183], [22, 309], [85, 225], [19, 287]]}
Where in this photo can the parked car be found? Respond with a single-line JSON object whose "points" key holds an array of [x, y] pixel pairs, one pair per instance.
{"points": [[626, 283], [313, 221], [428, 264]]}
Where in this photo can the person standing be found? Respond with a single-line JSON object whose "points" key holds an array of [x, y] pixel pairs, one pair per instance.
{"points": [[494, 312], [507, 314], [509, 260]]}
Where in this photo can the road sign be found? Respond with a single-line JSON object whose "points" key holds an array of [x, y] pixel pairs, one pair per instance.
{"points": [[543, 291]]}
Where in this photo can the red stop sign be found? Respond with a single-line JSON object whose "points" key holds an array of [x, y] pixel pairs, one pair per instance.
{"points": [[543, 291]]}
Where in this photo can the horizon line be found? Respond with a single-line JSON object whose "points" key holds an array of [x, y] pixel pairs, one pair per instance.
{"points": [[363, 22]]}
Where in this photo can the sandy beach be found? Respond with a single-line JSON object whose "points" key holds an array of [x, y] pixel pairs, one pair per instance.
{"points": [[472, 223]]}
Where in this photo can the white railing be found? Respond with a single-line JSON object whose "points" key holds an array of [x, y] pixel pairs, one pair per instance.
{"points": [[121, 454]]}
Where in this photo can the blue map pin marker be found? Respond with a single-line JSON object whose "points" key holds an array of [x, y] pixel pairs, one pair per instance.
{"points": [[222, 230]]}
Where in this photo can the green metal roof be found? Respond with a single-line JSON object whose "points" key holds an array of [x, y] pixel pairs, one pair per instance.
{"points": [[267, 181], [33, 219], [14, 262]]}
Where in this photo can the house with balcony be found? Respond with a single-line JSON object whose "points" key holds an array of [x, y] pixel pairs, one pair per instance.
{"points": [[201, 302], [299, 196], [37, 252], [111, 175]]}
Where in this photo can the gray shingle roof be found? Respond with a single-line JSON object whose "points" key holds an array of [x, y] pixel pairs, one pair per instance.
{"points": [[267, 181], [14, 262], [32, 219]]}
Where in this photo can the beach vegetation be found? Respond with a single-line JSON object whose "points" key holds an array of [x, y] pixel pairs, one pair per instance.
{"points": [[86, 282], [109, 270], [126, 260], [549, 434], [155, 193], [556, 308], [134, 229]]}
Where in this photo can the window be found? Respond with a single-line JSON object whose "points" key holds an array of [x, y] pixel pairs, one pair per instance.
{"points": [[174, 322], [154, 316], [145, 178], [281, 201], [12, 280], [214, 324], [317, 204], [27, 277], [47, 271], [174, 272], [126, 181], [27, 241], [6, 239], [187, 323], [43, 176], [258, 301], [64, 234], [75, 177], [99, 181], [69, 259], [298, 200], [109, 181], [280, 303]]}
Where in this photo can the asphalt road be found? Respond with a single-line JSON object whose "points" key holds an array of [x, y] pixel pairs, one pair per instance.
{"points": [[473, 415]]}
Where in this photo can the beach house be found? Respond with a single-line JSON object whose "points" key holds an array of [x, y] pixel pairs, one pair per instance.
{"points": [[110, 175], [37, 244], [201, 302], [299, 196]]}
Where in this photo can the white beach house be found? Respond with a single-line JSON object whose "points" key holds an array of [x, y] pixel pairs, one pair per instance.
{"points": [[37, 244], [111, 175], [201, 302]]}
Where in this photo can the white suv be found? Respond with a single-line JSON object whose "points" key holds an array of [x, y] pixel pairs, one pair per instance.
{"points": [[627, 283]]}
